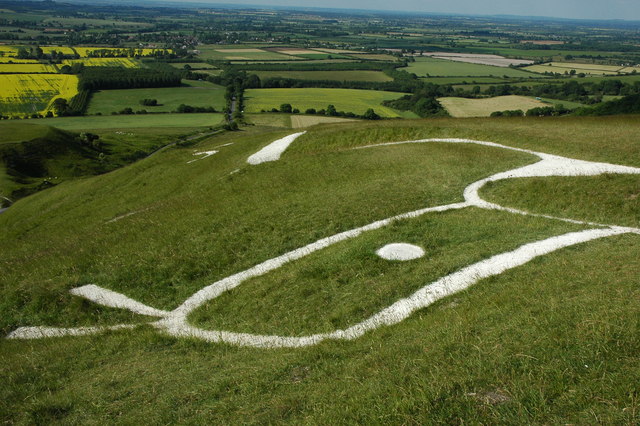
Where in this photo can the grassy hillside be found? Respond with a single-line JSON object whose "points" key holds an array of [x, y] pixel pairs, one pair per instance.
{"points": [[34, 157], [553, 341]]}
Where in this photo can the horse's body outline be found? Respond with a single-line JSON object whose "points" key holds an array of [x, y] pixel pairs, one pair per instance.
{"points": [[175, 322]]}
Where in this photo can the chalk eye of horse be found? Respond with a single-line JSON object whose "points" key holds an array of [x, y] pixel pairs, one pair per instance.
{"points": [[400, 251]]}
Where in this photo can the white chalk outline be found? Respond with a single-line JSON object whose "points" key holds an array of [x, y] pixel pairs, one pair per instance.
{"points": [[400, 251], [207, 154], [175, 322], [274, 150]]}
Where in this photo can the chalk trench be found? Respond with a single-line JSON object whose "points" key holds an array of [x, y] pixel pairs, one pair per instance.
{"points": [[175, 322]]}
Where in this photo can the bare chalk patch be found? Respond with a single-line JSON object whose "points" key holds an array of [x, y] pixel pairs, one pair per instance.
{"points": [[274, 150], [206, 154], [400, 251], [112, 299]]}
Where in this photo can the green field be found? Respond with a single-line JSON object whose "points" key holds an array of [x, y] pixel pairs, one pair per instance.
{"points": [[462, 80], [347, 100], [135, 121], [193, 65], [443, 68], [194, 93], [16, 131], [553, 341], [377, 76]]}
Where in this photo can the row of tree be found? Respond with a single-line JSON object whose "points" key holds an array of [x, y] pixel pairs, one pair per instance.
{"points": [[330, 111], [104, 78]]}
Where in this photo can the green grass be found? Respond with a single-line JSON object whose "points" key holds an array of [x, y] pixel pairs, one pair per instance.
{"points": [[557, 339], [194, 93], [607, 199], [463, 80], [194, 65], [317, 56], [444, 68], [135, 121], [16, 131], [376, 76], [347, 100]]}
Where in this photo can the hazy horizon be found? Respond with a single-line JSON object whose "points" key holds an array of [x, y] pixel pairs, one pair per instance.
{"points": [[572, 9]]}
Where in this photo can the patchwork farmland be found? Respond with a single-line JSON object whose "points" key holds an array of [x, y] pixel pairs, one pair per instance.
{"points": [[263, 215]]}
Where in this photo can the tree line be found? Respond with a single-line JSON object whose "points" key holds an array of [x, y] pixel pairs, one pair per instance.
{"points": [[105, 78]]}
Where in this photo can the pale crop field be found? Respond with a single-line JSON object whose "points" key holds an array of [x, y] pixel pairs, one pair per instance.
{"points": [[376, 57], [294, 52], [347, 100], [590, 69], [445, 68], [34, 93], [462, 107], [243, 55], [376, 76], [337, 51], [300, 121]]}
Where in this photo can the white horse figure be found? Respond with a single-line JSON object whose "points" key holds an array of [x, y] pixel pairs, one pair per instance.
{"points": [[175, 322]]}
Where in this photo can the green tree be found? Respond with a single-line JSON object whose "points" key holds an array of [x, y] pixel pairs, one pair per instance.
{"points": [[370, 114], [286, 108]]}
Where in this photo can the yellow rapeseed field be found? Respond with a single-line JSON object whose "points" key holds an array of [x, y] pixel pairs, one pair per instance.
{"points": [[65, 50], [85, 51], [8, 50], [11, 59], [104, 62], [34, 93], [27, 68]]}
